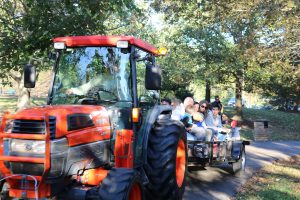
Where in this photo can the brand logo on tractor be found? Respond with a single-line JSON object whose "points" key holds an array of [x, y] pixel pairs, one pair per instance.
{"points": [[28, 147]]}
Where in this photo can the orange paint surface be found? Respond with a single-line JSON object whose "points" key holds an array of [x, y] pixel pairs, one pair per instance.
{"points": [[124, 148]]}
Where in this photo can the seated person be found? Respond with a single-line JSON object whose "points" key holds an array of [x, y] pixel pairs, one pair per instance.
{"points": [[217, 103], [199, 119], [165, 101], [105, 80], [177, 109], [199, 132], [204, 108], [225, 119], [214, 122], [196, 106]]}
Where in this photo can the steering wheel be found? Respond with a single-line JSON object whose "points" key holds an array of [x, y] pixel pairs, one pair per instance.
{"points": [[93, 95]]}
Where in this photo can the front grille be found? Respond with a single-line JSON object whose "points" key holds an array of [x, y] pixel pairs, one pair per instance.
{"points": [[34, 126], [27, 168], [29, 126], [52, 126]]}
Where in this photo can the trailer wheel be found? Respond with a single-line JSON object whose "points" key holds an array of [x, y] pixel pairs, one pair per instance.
{"points": [[121, 184], [238, 167], [166, 161]]}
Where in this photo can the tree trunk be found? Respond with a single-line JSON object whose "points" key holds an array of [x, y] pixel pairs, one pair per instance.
{"points": [[238, 94], [207, 91], [24, 98], [24, 93]]}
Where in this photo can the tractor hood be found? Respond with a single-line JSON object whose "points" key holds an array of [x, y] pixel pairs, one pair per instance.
{"points": [[68, 118], [59, 110]]}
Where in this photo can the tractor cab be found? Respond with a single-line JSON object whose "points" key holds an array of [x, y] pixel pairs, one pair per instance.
{"points": [[117, 72]]}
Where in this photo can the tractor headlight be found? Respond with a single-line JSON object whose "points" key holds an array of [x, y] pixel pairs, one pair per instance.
{"points": [[27, 146]]}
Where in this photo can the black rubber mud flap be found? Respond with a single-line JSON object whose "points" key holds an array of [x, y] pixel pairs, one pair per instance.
{"points": [[237, 147], [121, 184], [238, 168], [164, 141]]}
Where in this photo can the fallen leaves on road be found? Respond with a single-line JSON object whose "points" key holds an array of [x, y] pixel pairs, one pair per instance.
{"points": [[280, 180]]}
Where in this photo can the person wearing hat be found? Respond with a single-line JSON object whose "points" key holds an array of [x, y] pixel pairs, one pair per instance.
{"points": [[235, 128]]}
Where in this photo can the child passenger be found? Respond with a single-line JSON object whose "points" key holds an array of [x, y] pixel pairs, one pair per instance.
{"points": [[199, 119], [199, 132], [235, 128]]}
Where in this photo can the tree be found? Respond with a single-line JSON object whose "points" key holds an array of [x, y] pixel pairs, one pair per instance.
{"points": [[200, 41], [253, 36], [277, 75], [27, 27]]}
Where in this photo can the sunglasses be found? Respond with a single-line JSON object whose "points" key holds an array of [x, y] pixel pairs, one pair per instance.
{"points": [[203, 106]]}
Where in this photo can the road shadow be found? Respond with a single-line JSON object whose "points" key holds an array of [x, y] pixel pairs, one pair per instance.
{"points": [[213, 183]]}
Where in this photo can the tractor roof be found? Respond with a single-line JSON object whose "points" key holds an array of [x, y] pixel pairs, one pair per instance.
{"points": [[100, 40]]}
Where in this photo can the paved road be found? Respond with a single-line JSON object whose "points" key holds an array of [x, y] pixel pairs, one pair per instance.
{"points": [[218, 184]]}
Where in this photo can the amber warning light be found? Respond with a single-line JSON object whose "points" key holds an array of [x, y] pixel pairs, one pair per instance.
{"points": [[135, 115], [162, 51]]}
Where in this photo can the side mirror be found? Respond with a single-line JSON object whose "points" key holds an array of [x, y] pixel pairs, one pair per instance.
{"points": [[29, 76], [152, 77]]}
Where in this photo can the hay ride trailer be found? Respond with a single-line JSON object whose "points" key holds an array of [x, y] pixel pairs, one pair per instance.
{"points": [[230, 151], [102, 134]]}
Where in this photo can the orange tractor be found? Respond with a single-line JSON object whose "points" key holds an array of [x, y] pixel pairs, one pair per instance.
{"points": [[102, 134]]}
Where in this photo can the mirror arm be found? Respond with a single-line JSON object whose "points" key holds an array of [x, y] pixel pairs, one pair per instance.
{"points": [[149, 58]]}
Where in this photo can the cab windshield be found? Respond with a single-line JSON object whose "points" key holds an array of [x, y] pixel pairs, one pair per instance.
{"points": [[92, 74]]}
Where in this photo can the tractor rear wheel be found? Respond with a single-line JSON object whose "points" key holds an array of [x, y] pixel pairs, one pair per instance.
{"points": [[166, 161], [121, 184]]}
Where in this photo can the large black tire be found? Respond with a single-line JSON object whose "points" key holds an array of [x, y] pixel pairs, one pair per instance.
{"points": [[121, 184], [238, 168], [164, 141], [4, 190]]}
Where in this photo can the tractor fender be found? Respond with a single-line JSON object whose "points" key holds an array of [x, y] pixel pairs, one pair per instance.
{"points": [[237, 148], [157, 112]]}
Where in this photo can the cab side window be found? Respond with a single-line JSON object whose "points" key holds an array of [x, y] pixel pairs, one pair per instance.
{"points": [[146, 98]]}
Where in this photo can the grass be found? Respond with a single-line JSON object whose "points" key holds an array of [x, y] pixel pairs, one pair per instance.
{"points": [[279, 118], [10, 103], [281, 180], [282, 125]]}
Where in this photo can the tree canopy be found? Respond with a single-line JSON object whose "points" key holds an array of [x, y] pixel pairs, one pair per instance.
{"points": [[251, 44]]}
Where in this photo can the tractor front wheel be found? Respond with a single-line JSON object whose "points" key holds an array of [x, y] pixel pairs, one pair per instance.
{"points": [[121, 184], [4, 187], [166, 161]]}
